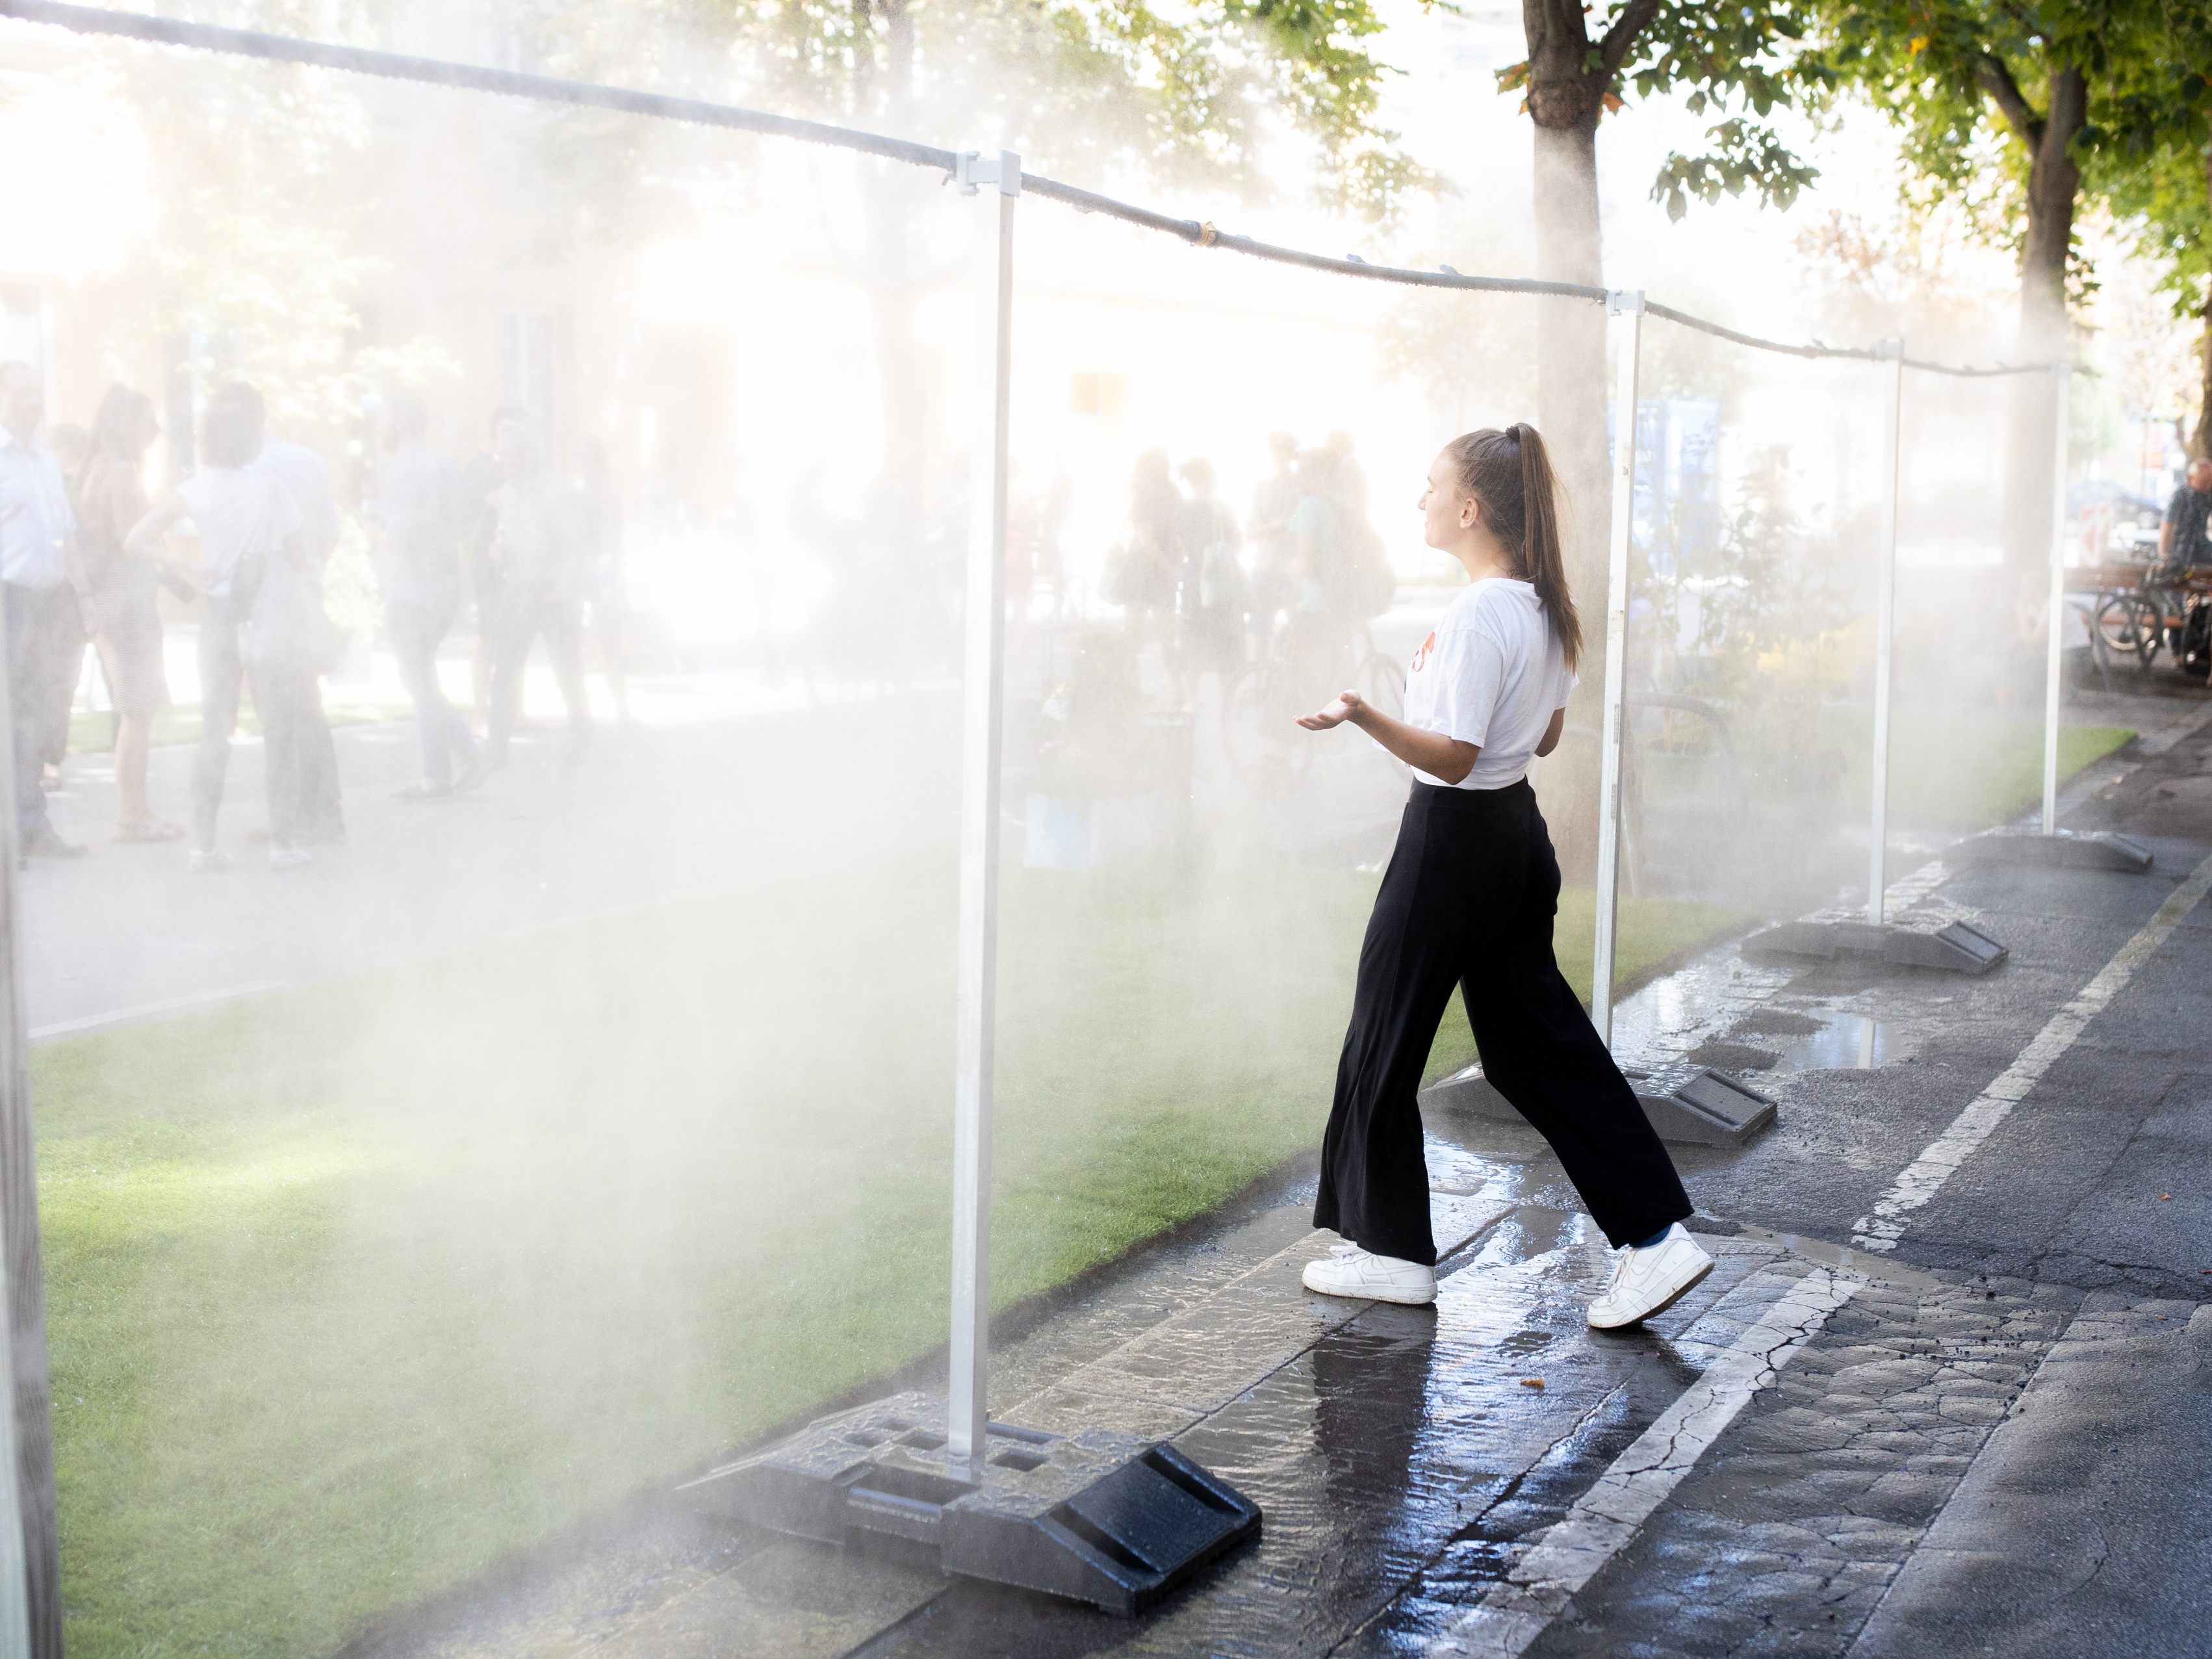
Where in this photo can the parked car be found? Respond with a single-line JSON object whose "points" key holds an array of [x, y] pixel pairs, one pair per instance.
{"points": [[2123, 524]]}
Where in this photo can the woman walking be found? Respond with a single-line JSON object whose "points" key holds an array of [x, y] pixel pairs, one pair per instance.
{"points": [[1468, 900]]}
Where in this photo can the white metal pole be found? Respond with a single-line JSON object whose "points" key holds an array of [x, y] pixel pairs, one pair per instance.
{"points": [[968, 1408], [1627, 308], [1885, 621], [2055, 656], [30, 1555]]}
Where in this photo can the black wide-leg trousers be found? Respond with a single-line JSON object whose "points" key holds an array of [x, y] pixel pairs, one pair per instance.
{"points": [[1468, 900]]}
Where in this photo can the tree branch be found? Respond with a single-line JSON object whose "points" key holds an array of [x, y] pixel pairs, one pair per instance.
{"points": [[1620, 40], [1995, 79]]}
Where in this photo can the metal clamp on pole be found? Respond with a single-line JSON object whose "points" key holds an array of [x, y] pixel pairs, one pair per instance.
{"points": [[974, 168]]}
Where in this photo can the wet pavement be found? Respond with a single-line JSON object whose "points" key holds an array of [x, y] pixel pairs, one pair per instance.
{"points": [[1988, 1436]]}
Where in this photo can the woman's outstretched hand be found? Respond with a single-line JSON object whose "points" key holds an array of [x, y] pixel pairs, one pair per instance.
{"points": [[1348, 704]]}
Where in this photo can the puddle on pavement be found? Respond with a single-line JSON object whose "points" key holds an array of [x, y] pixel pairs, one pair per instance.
{"points": [[1846, 1042]]}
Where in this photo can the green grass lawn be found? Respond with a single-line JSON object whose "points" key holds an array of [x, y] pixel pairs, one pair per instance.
{"points": [[1947, 776], [352, 1290]]}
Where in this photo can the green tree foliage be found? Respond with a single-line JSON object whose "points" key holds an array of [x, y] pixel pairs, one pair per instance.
{"points": [[2039, 77], [1737, 63], [2156, 171], [1184, 92]]}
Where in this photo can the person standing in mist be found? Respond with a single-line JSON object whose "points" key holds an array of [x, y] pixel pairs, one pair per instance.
{"points": [[253, 557], [1213, 594], [420, 515], [1468, 900], [36, 531], [2183, 545], [305, 477], [1268, 530], [606, 593], [481, 478], [120, 609], [544, 555]]}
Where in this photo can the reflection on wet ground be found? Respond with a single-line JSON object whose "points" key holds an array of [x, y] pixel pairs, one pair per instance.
{"points": [[1847, 1040]]}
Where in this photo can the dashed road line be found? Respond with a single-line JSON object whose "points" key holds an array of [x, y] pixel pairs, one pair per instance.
{"points": [[1515, 1610], [1880, 1229]]}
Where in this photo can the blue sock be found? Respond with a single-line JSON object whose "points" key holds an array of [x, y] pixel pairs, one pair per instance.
{"points": [[1646, 1244]]}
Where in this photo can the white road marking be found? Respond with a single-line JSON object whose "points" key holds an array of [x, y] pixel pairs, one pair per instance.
{"points": [[1515, 1612], [1924, 1177], [149, 1010]]}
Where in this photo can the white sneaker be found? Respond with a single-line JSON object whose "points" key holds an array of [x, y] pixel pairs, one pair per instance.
{"points": [[1650, 1280], [289, 858], [1348, 1270], [209, 861]]}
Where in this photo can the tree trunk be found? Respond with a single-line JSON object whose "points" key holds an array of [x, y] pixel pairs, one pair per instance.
{"points": [[2200, 443], [1571, 412], [1564, 100], [2054, 182]]}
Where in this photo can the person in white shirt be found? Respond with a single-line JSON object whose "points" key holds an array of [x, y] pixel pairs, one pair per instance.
{"points": [[253, 570], [1468, 900], [305, 477], [36, 527]]}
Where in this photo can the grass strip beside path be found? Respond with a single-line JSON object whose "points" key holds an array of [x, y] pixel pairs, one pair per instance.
{"points": [[354, 1289]]}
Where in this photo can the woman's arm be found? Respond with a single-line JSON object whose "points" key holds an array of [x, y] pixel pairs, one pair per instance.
{"points": [[1431, 752], [144, 540], [1549, 740]]}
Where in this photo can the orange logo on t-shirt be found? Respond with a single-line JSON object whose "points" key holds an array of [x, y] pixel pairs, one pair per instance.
{"points": [[1422, 655]]}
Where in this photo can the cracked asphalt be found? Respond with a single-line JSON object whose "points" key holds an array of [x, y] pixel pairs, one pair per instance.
{"points": [[1994, 1438]]}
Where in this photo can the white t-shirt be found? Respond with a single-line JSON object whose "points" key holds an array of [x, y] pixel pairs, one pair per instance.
{"points": [[1493, 674], [240, 515]]}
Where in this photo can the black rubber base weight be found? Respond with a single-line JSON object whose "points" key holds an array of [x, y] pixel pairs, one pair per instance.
{"points": [[1692, 1104], [1093, 1516], [2067, 849], [1957, 949]]}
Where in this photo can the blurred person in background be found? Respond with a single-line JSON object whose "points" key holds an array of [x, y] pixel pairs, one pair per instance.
{"points": [[1317, 630], [1273, 502], [1145, 576], [420, 515], [481, 478], [1213, 598], [36, 532], [71, 445], [2184, 540], [543, 553], [254, 565], [120, 609], [1351, 478], [604, 588], [305, 477]]}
